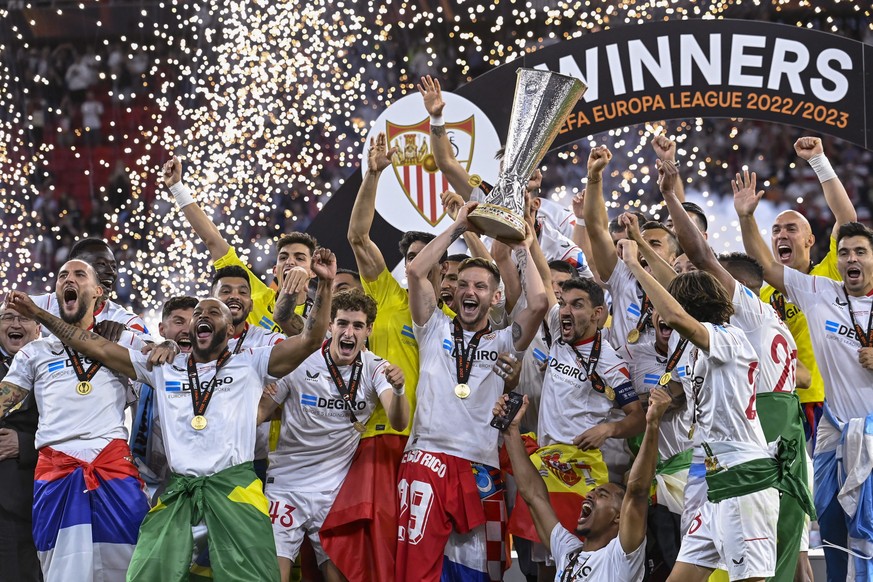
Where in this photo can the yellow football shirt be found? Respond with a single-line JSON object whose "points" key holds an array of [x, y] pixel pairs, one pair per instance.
{"points": [[392, 338], [796, 322]]}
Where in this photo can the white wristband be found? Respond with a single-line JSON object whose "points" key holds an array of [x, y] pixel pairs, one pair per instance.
{"points": [[436, 120], [822, 168], [182, 194], [580, 222], [399, 391]]}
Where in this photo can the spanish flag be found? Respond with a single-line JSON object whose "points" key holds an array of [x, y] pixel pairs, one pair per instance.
{"points": [[570, 474]]}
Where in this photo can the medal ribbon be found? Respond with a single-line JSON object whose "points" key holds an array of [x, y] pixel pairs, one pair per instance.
{"points": [[201, 395], [463, 356], [777, 302], [347, 392], [590, 366], [866, 338], [79, 367], [676, 356], [645, 314], [242, 338]]}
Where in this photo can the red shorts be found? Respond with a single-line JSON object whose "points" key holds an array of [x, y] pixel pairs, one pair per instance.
{"points": [[438, 494]]}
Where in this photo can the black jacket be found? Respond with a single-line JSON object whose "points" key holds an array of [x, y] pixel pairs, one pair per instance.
{"points": [[16, 475]]}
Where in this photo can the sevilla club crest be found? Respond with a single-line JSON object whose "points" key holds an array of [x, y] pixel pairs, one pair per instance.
{"points": [[415, 167]]}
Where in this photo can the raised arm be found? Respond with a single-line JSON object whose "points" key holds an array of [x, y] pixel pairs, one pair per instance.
{"points": [[287, 355], [527, 322], [369, 258], [530, 485], [658, 267], [745, 201], [395, 402], [594, 212], [458, 178], [83, 341], [690, 238], [811, 150], [422, 298], [202, 224], [635, 507], [668, 308], [665, 149], [580, 232], [296, 280]]}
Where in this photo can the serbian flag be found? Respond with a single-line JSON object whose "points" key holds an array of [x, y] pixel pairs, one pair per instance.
{"points": [[570, 474], [86, 516]]}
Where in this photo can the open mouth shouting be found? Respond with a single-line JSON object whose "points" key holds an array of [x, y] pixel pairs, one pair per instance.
{"points": [[204, 332], [235, 306], [447, 296], [70, 297], [853, 277], [566, 326], [346, 347], [469, 308], [587, 510], [784, 253], [184, 342]]}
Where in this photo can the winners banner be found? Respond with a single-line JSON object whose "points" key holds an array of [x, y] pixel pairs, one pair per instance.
{"points": [[680, 69]]}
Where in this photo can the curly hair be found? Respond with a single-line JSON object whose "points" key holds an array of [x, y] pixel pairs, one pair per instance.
{"points": [[702, 297], [353, 300]]}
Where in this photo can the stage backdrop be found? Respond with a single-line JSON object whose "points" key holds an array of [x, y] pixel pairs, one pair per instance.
{"points": [[635, 74]]}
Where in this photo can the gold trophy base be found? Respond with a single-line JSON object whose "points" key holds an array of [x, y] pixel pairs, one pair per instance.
{"points": [[498, 222]]}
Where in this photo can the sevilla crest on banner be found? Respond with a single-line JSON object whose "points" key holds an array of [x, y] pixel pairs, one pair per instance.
{"points": [[408, 196]]}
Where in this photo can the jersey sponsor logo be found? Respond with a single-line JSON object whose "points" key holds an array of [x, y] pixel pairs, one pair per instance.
{"points": [[651, 379], [478, 355], [634, 309], [406, 330], [540, 356], [63, 363], [221, 385], [173, 386], [841, 330], [310, 377], [330, 403], [266, 323], [566, 369]]}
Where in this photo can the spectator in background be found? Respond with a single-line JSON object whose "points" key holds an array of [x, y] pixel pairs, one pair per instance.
{"points": [[92, 110], [80, 76]]}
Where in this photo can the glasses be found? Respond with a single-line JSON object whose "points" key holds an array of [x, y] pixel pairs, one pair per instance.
{"points": [[8, 318]]}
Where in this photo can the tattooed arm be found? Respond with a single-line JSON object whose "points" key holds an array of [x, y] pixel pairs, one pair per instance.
{"points": [[528, 321], [422, 297], [88, 343], [287, 355], [10, 395]]}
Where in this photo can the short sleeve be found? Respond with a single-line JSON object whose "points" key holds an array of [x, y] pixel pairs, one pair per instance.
{"points": [[618, 376], [21, 372], [562, 542], [620, 278], [283, 389], [140, 365], [748, 308], [260, 362], [430, 328], [828, 266], [801, 288], [553, 321], [385, 291], [724, 343]]}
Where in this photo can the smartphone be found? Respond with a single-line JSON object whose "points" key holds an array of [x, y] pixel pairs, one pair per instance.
{"points": [[515, 401]]}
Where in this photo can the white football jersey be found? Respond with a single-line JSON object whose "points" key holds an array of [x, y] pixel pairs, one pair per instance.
{"points": [[627, 301], [569, 405], [646, 368], [317, 440], [557, 216], [723, 385], [110, 311], [69, 421], [608, 564], [255, 337], [770, 338], [848, 385], [444, 423], [556, 246], [232, 413]]}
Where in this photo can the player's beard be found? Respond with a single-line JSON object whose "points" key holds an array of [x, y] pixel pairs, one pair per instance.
{"points": [[78, 314]]}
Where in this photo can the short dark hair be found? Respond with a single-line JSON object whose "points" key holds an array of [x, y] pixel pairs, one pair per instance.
{"points": [[697, 215], [750, 270], [594, 291], [355, 275], [297, 238], [230, 271], [702, 297], [854, 229], [177, 302], [456, 258], [354, 300], [84, 244], [490, 266], [412, 236], [615, 226], [671, 236], [563, 267]]}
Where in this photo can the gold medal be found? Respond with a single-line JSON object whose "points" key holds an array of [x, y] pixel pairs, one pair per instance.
{"points": [[462, 391], [360, 427], [83, 388], [665, 379], [691, 431], [610, 393], [474, 182], [198, 422], [633, 336]]}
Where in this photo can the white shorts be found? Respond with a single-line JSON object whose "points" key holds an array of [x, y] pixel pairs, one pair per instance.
{"points": [[737, 535], [295, 514]]}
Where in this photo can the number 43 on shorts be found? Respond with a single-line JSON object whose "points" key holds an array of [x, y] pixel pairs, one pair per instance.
{"points": [[281, 511], [415, 501]]}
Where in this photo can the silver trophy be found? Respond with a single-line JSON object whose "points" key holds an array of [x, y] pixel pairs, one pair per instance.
{"points": [[542, 102]]}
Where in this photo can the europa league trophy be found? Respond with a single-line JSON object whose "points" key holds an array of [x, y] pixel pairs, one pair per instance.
{"points": [[542, 102]]}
